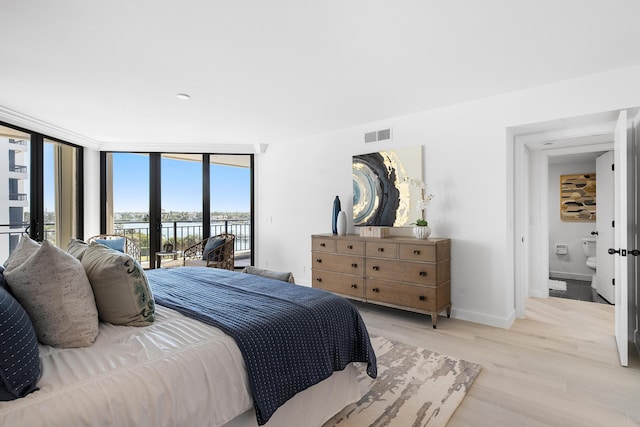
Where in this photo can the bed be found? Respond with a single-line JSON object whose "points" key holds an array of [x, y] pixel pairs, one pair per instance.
{"points": [[182, 370]]}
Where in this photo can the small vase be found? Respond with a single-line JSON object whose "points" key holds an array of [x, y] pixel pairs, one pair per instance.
{"points": [[342, 223], [421, 231], [334, 216]]}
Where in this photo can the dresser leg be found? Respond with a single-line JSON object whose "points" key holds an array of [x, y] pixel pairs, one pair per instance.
{"points": [[449, 312], [434, 320]]}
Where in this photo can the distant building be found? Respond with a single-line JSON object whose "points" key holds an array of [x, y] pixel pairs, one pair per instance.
{"points": [[14, 193]]}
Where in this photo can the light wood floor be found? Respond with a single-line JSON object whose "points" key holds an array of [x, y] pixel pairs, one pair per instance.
{"points": [[558, 367]]}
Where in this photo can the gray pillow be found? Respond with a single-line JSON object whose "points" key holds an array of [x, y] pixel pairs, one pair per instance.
{"points": [[285, 276], [212, 243], [77, 248], [120, 286], [24, 250], [53, 288]]}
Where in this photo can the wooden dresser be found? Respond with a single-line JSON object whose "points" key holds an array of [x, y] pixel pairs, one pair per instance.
{"points": [[402, 272]]}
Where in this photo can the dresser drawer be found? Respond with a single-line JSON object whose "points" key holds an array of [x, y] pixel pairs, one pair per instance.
{"points": [[337, 263], [415, 252], [381, 249], [418, 297], [403, 271], [323, 244], [350, 247], [344, 284]]}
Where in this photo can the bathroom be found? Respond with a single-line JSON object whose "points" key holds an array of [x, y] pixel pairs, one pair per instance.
{"points": [[579, 266]]}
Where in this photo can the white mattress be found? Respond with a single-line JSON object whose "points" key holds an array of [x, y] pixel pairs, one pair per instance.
{"points": [[176, 372]]}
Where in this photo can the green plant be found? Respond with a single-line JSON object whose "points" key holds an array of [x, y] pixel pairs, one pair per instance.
{"points": [[420, 222]]}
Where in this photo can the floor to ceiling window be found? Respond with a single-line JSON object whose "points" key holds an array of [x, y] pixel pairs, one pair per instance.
{"points": [[230, 189], [126, 208], [178, 199], [42, 194], [181, 195]]}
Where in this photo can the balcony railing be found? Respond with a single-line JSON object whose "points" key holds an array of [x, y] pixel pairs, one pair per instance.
{"points": [[18, 196], [17, 141], [17, 168]]}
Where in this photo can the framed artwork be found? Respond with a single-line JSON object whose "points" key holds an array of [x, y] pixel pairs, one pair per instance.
{"points": [[578, 197], [384, 187]]}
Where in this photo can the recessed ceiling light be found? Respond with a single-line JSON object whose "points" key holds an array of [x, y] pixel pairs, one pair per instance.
{"points": [[183, 96]]}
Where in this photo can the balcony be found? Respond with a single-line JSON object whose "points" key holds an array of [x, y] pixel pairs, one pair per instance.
{"points": [[18, 196], [17, 168], [181, 234]]}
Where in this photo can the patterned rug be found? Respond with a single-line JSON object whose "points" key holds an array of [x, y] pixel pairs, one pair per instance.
{"points": [[415, 387]]}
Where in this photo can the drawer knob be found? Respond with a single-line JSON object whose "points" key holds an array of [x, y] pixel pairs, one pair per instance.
{"points": [[376, 268], [318, 260], [354, 265], [318, 279], [354, 286], [380, 249], [423, 298], [423, 273], [416, 252], [349, 247], [322, 245], [375, 290]]}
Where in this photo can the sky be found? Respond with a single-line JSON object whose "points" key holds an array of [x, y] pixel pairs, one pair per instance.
{"points": [[181, 185]]}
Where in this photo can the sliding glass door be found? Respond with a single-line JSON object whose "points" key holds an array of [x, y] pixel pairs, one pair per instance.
{"points": [[42, 191], [126, 199], [181, 195], [230, 187], [14, 188], [178, 199]]}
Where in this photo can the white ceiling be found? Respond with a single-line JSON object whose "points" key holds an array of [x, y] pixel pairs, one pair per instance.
{"points": [[268, 71]]}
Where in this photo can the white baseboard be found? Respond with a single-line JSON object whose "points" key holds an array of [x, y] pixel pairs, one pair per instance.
{"points": [[485, 319], [572, 276], [636, 339], [539, 294]]}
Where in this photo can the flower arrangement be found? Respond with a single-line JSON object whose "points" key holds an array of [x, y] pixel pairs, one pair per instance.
{"points": [[423, 201]]}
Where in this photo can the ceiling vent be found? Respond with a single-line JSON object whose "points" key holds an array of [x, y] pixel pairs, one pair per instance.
{"points": [[377, 135]]}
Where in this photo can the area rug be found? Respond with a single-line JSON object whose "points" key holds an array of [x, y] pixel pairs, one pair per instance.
{"points": [[415, 387]]}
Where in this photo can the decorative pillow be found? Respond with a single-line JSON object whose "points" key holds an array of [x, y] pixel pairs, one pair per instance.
{"points": [[3, 282], [77, 248], [212, 243], [20, 361], [285, 276], [120, 286], [53, 288], [24, 250], [117, 244]]}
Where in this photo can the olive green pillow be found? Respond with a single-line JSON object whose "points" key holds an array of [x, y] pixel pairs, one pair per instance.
{"points": [[120, 286]]}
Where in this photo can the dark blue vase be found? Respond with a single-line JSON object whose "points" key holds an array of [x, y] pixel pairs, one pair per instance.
{"points": [[334, 219]]}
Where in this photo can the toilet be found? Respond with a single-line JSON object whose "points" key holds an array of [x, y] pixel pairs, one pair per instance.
{"points": [[589, 249]]}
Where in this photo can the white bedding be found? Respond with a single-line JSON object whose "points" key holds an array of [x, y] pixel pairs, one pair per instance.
{"points": [[176, 372]]}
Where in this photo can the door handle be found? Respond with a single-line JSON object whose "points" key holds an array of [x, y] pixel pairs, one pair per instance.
{"points": [[622, 252], [634, 252], [594, 233]]}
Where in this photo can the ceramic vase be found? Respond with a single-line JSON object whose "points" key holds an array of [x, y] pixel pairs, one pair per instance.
{"points": [[342, 223], [334, 218], [421, 231]]}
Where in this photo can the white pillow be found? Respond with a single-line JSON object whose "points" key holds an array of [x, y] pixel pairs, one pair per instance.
{"points": [[77, 248], [120, 286], [24, 250], [53, 288]]}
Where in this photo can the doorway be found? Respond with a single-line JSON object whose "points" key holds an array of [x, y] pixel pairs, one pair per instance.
{"points": [[530, 147]]}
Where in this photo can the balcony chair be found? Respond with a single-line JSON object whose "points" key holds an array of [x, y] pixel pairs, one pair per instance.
{"points": [[219, 254], [116, 242]]}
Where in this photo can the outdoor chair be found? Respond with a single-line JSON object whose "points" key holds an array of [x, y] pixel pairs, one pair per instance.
{"points": [[216, 251], [119, 243]]}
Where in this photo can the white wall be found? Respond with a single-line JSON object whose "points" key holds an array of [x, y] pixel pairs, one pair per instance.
{"points": [[573, 264], [467, 158]]}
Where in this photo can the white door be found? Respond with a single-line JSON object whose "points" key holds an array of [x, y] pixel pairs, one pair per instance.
{"points": [[621, 231], [604, 226]]}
